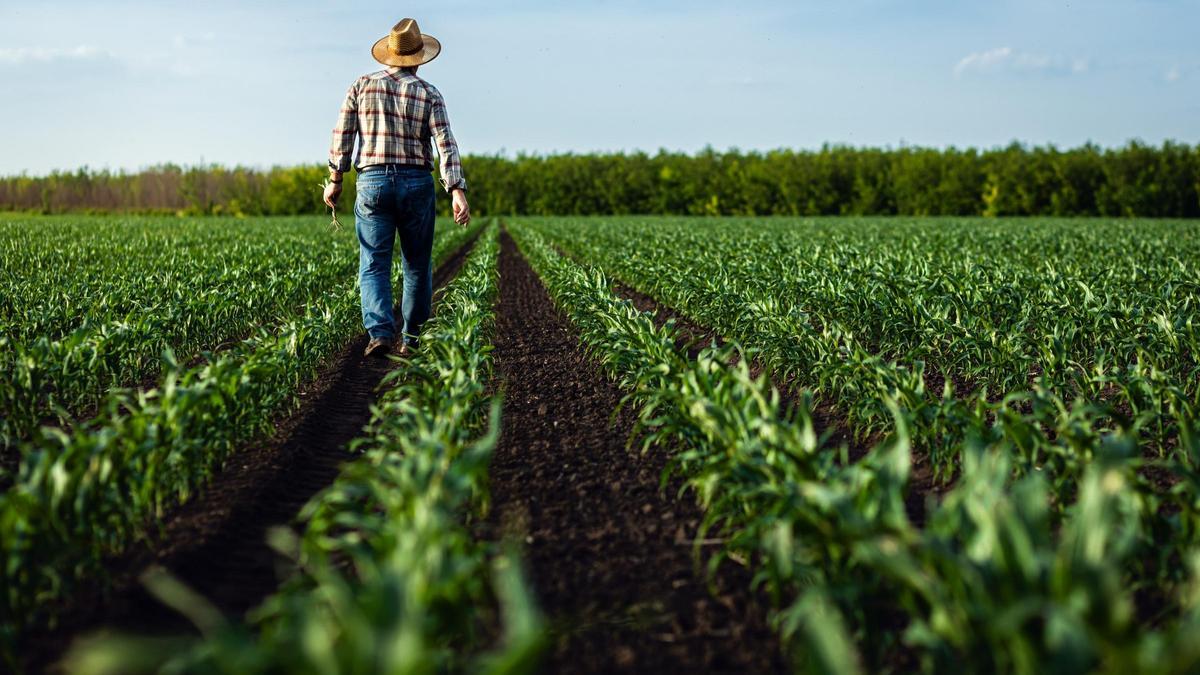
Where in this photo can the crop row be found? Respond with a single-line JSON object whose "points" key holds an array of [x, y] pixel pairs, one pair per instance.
{"points": [[855, 310], [389, 576], [95, 304], [980, 300], [84, 495], [64, 272], [1008, 573]]}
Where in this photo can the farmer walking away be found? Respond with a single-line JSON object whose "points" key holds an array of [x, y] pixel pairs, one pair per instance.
{"points": [[396, 114]]}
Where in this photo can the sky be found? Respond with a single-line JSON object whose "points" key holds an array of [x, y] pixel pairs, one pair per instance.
{"points": [[124, 85]]}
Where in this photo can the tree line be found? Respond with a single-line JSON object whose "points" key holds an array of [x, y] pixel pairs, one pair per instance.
{"points": [[1018, 180]]}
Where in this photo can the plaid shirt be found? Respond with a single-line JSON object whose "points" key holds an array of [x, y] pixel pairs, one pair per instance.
{"points": [[396, 113]]}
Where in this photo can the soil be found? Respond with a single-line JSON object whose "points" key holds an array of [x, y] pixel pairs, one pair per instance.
{"points": [[609, 552], [10, 463], [216, 543]]}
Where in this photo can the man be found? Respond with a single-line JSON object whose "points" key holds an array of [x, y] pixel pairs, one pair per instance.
{"points": [[396, 114]]}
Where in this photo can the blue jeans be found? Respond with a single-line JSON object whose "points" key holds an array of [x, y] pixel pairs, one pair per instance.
{"points": [[394, 199]]}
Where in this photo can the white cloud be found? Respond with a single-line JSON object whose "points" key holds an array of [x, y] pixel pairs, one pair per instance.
{"points": [[1173, 74], [983, 60], [20, 55], [1006, 59]]}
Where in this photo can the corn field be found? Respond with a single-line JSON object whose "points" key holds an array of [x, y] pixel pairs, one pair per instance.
{"points": [[888, 444]]}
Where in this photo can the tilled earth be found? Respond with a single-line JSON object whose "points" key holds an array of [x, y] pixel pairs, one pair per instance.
{"points": [[610, 553]]}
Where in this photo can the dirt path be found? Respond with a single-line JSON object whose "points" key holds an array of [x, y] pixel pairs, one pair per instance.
{"points": [[216, 543], [610, 554]]}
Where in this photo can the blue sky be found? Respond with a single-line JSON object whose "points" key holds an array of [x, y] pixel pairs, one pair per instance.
{"points": [[129, 84]]}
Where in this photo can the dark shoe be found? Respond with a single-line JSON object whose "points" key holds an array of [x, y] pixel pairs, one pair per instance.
{"points": [[378, 347]]}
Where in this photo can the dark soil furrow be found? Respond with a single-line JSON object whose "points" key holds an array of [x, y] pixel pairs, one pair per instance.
{"points": [[216, 543], [610, 554], [10, 463]]}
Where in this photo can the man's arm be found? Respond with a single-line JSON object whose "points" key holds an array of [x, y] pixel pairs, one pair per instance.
{"points": [[450, 164], [341, 150]]}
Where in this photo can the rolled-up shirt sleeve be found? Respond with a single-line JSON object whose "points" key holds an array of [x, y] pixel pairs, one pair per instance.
{"points": [[341, 150], [450, 163]]}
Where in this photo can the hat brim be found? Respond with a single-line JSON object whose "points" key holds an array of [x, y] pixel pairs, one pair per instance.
{"points": [[388, 58]]}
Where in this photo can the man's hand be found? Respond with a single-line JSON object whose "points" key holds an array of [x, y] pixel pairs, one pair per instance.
{"points": [[462, 210], [332, 192]]}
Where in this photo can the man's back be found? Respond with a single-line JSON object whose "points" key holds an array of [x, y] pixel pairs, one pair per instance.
{"points": [[396, 114]]}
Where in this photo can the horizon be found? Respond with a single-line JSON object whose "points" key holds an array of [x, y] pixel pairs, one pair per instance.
{"points": [[196, 86]]}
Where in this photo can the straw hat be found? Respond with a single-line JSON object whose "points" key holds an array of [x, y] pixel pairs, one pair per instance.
{"points": [[406, 46]]}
